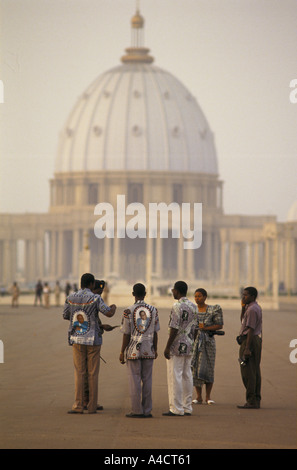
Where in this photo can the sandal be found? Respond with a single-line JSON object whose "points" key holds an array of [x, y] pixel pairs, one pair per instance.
{"points": [[197, 402]]}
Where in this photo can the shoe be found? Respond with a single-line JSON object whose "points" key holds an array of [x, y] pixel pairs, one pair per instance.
{"points": [[148, 416], [169, 413], [134, 415], [248, 406], [188, 414], [99, 407], [197, 402], [210, 402], [74, 412]]}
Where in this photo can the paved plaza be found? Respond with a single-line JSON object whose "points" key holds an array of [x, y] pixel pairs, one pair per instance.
{"points": [[37, 390]]}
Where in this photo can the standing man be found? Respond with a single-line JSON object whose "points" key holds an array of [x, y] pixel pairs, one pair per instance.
{"points": [[82, 308], [140, 341], [179, 349], [250, 340]]}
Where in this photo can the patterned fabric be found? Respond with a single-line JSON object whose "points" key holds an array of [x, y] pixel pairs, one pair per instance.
{"points": [[82, 308], [184, 318], [140, 321], [204, 355]]}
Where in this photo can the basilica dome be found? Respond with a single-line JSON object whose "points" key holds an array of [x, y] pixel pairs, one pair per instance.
{"points": [[292, 214], [137, 116]]}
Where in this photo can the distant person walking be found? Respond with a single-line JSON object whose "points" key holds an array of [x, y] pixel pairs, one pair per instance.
{"points": [[140, 326], [38, 293], [46, 295], [15, 293], [183, 323], [57, 292], [250, 341], [67, 289], [81, 309]]}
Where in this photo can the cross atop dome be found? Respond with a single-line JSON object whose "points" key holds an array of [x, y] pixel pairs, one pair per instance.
{"points": [[137, 53]]}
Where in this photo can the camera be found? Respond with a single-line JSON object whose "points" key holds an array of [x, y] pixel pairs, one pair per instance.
{"points": [[216, 332]]}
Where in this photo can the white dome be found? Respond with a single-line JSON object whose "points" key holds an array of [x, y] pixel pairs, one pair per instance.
{"points": [[292, 214], [137, 116]]}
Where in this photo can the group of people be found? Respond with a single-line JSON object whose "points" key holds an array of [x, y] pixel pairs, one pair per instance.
{"points": [[42, 294], [190, 349]]}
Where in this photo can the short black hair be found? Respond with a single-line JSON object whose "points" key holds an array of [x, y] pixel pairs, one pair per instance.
{"points": [[181, 287], [202, 291], [252, 291], [86, 280], [139, 290]]}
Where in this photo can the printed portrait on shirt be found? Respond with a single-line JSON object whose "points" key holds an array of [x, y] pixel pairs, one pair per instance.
{"points": [[80, 323], [142, 318]]}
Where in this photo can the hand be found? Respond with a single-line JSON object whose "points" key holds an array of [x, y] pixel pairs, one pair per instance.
{"points": [[122, 358], [167, 353], [247, 352], [109, 327]]}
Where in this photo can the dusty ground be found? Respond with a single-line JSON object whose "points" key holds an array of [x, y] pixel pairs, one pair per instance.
{"points": [[37, 384]]}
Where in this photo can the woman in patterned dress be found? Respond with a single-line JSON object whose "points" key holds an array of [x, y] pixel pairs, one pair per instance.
{"points": [[203, 362]]}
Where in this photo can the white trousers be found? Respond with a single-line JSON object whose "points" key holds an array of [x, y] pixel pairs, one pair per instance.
{"points": [[180, 384]]}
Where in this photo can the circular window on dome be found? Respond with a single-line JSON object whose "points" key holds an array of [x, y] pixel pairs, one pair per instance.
{"points": [[97, 130], [136, 130], [176, 131]]}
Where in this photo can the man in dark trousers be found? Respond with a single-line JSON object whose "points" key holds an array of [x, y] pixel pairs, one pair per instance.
{"points": [[250, 340]]}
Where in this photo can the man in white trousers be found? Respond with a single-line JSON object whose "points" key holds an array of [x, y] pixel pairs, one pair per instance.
{"points": [[179, 349]]}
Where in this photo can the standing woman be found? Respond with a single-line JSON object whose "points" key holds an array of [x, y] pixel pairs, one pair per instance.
{"points": [[203, 361]]}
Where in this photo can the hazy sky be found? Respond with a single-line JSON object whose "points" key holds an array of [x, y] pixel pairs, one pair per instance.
{"points": [[237, 57]]}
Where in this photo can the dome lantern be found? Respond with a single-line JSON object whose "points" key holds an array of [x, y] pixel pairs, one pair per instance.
{"points": [[137, 52]]}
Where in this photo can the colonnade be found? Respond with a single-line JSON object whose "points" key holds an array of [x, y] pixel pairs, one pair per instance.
{"points": [[229, 257]]}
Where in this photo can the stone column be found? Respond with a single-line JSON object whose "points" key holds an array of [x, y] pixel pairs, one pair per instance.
{"points": [[223, 255], [180, 258], [53, 255], [116, 256], [267, 262], [60, 254], [256, 264], [159, 260], [107, 260], [75, 252], [250, 263]]}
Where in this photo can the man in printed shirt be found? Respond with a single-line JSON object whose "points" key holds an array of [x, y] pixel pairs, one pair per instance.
{"points": [[140, 324], [178, 352], [251, 347], [83, 307]]}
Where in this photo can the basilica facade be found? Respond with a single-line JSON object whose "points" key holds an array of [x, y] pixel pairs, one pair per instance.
{"points": [[138, 132]]}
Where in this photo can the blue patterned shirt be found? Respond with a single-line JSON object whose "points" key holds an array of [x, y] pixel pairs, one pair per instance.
{"points": [[82, 309]]}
